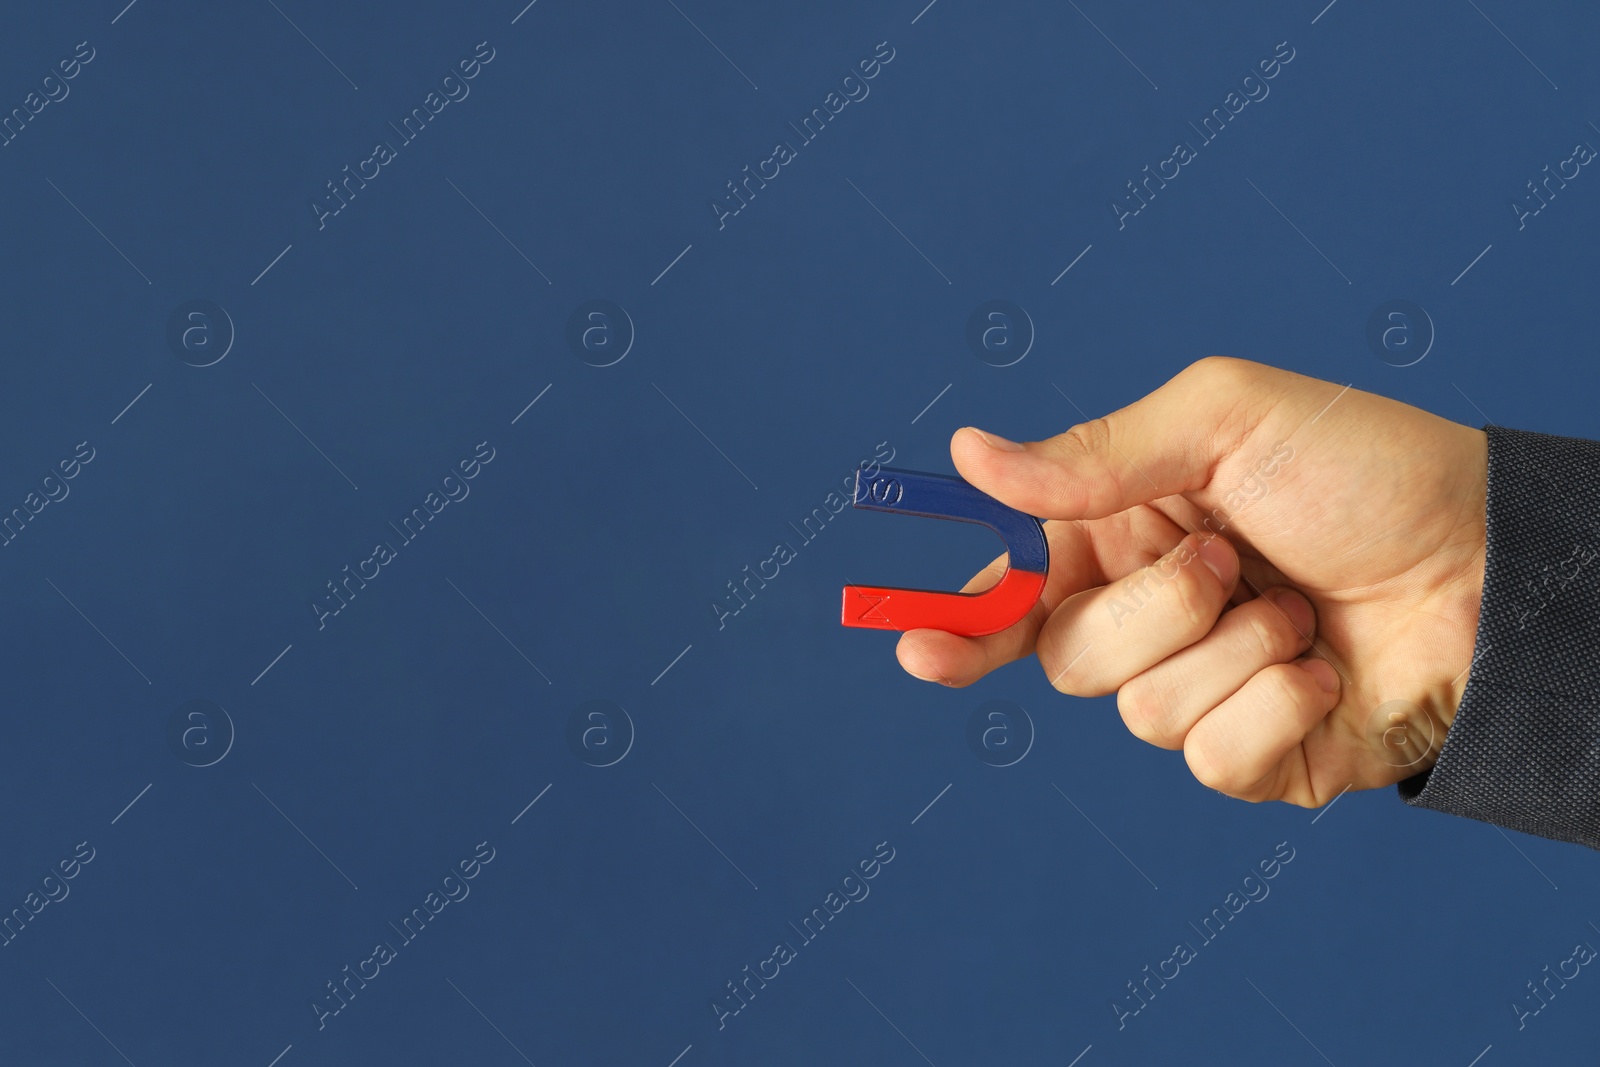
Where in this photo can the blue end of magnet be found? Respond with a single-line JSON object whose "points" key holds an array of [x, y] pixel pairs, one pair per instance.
{"points": [[939, 496]]}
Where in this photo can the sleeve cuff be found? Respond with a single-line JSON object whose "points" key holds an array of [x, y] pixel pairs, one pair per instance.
{"points": [[1524, 749]]}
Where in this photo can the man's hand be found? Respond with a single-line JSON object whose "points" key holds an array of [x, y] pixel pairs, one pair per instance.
{"points": [[1280, 577]]}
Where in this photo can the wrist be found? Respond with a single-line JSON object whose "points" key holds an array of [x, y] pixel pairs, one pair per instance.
{"points": [[1465, 593]]}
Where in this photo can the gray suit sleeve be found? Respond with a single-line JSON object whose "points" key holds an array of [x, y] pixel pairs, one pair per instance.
{"points": [[1524, 750]]}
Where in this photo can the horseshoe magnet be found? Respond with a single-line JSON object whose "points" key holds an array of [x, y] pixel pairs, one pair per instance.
{"points": [[938, 496]]}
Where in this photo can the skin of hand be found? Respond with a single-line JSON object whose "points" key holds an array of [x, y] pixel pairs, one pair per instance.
{"points": [[1279, 576]]}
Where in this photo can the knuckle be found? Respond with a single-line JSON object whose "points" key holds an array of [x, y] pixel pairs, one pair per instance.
{"points": [[1069, 670], [1144, 713], [1212, 772], [1087, 449], [1214, 370], [1283, 685], [1090, 438], [1271, 636], [1195, 592], [1056, 669], [1061, 681], [1069, 682]]}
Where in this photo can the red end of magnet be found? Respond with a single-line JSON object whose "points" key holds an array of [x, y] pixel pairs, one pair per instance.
{"points": [[964, 614]]}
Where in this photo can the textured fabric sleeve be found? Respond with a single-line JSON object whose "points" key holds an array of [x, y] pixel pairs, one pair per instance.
{"points": [[1524, 749]]}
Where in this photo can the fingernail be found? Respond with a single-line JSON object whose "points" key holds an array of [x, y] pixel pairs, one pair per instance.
{"points": [[996, 442], [1219, 558], [1302, 616], [1327, 678]]}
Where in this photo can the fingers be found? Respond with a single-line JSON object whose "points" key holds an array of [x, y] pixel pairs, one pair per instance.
{"points": [[1164, 703], [1248, 746], [950, 659], [1102, 637], [1164, 444], [936, 656]]}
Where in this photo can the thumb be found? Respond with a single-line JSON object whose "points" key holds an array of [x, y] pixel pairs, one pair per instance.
{"points": [[1167, 443]]}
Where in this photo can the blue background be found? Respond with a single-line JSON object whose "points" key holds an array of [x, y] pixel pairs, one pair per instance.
{"points": [[770, 755]]}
